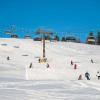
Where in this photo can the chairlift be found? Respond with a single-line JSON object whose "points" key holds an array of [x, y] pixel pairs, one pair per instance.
{"points": [[7, 32]]}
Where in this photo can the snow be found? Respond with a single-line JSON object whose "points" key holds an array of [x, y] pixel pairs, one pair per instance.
{"points": [[59, 82]]}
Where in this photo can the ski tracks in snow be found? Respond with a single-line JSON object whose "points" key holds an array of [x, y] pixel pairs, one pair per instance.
{"points": [[89, 84], [49, 90]]}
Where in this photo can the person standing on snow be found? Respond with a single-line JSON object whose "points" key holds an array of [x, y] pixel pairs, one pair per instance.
{"points": [[8, 58], [30, 65], [75, 66], [39, 60], [92, 61], [98, 75], [47, 65], [71, 62], [87, 75], [80, 77]]}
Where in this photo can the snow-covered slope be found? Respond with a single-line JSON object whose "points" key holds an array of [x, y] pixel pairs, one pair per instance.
{"points": [[59, 82]]}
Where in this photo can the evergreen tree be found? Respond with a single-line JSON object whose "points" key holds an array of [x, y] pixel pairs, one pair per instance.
{"points": [[98, 38], [63, 39], [91, 34], [91, 39], [56, 38]]}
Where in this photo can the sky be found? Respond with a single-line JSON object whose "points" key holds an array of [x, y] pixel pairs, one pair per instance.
{"points": [[64, 17]]}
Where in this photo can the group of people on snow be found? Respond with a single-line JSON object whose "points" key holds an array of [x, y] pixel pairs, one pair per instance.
{"points": [[87, 74], [31, 65]]}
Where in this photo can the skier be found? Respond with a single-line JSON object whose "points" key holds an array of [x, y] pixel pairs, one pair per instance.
{"points": [[8, 58], [39, 60], [71, 62], [87, 75], [92, 61], [98, 75], [47, 65], [30, 65], [80, 77], [75, 66]]}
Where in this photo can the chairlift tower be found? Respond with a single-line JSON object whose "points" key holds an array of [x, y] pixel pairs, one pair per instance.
{"points": [[43, 32]]}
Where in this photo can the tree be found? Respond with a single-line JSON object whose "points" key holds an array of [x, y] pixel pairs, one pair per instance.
{"points": [[63, 39], [98, 38], [47, 37], [91, 34], [91, 39], [56, 38]]}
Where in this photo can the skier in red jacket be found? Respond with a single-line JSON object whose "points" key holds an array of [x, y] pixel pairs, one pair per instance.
{"points": [[75, 66]]}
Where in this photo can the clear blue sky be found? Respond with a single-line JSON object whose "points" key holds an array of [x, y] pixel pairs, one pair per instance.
{"points": [[71, 16]]}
